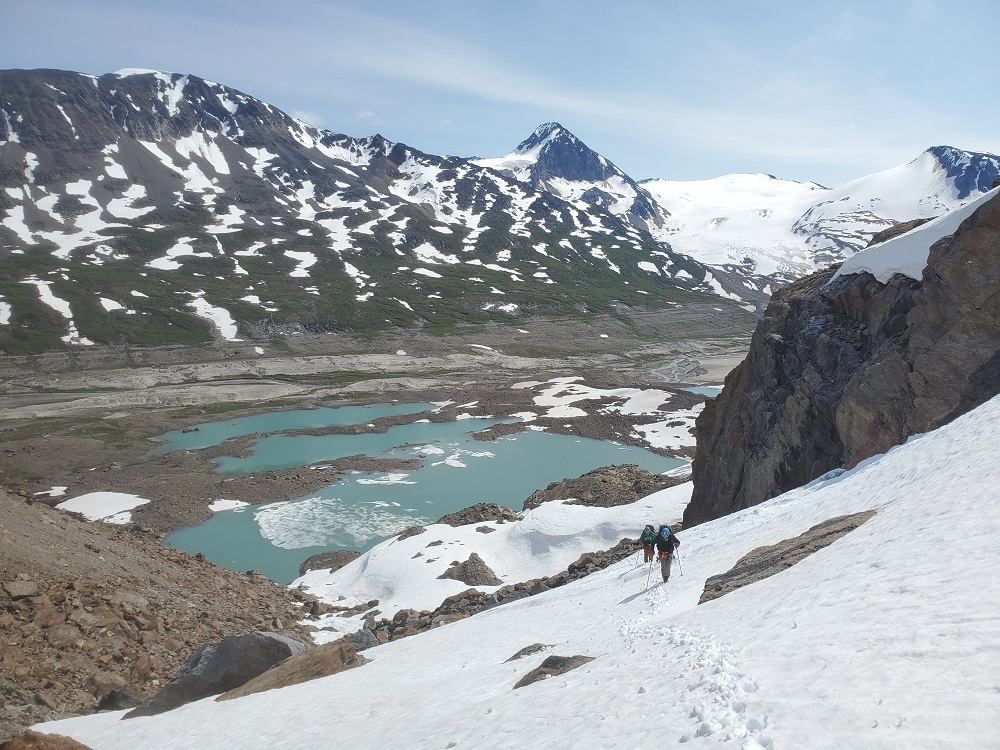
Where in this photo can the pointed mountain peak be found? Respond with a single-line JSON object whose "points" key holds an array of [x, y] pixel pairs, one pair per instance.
{"points": [[550, 132]]}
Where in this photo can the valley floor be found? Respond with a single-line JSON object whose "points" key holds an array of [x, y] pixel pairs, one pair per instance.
{"points": [[84, 420]]}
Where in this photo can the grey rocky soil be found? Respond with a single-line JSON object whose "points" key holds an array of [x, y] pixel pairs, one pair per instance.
{"points": [[88, 609]]}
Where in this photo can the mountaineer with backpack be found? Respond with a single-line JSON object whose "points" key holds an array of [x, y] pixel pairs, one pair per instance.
{"points": [[647, 539], [666, 543]]}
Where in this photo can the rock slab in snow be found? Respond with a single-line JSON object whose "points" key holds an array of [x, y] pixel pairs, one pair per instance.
{"points": [[552, 666], [765, 562], [216, 668]]}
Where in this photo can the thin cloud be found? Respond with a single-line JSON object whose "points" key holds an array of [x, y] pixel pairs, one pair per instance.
{"points": [[310, 118]]}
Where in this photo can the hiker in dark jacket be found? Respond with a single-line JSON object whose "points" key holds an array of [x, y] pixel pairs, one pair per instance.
{"points": [[647, 539], [666, 543]]}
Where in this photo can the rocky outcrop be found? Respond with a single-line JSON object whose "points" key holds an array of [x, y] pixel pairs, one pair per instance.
{"points": [[477, 514], [606, 487], [842, 369], [765, 562], [473, 572], [408, 622], [217, 668], [329, 560]]}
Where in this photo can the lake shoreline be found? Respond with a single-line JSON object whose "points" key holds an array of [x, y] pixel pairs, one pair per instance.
{"points": [[93, 430]]}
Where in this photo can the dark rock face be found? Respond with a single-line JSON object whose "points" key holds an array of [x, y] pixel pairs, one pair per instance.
{"points": [[216, 668], [563, 156], [478, 513], [606, 487], [332, 560], [840, 370], [971, 171], [765, 562]]}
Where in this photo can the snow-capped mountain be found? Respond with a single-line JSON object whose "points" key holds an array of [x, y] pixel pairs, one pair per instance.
{"points": [[161, 207], [758, 232], [555, 160], [853, 646], [145, 207], [754, 232]]}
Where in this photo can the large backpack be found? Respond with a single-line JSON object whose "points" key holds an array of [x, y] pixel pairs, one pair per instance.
{"points": [[648, 534]]}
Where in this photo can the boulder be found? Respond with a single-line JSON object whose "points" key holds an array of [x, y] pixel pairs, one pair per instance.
{"points": [[216, 668], [473, 572], [21, 589], [410, 531], [534, 648], [321, 661], [118, 700]]}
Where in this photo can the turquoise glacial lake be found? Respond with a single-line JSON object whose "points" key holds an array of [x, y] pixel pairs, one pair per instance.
{"points": [[363, 509]]}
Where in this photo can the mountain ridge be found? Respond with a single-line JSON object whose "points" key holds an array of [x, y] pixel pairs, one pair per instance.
{"points": [[134, 206], [176, 184]]}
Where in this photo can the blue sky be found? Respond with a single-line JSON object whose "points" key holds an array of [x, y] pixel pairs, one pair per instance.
{"points": [[679, 90]]}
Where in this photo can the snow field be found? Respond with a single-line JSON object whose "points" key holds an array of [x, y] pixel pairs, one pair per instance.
{"points": [[885, 639], [109, 507]]}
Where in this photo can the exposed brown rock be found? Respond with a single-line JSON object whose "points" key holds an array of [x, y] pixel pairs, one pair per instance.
{"points": [[473, 572], [606, 487], [552, 666], [842, 370], [329, 560], [478, 513], [897, 229], [38, 741], [411, 531], [330, 658], [101, 610]]}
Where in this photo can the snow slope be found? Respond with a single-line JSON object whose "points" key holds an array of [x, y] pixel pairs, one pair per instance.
{"points": [[403, 574], [778, 228], [888, 638], [907, 253]]}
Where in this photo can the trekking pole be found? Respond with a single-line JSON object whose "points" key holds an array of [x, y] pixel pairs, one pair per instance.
{"points": [[650, 572], [679, 566]]}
